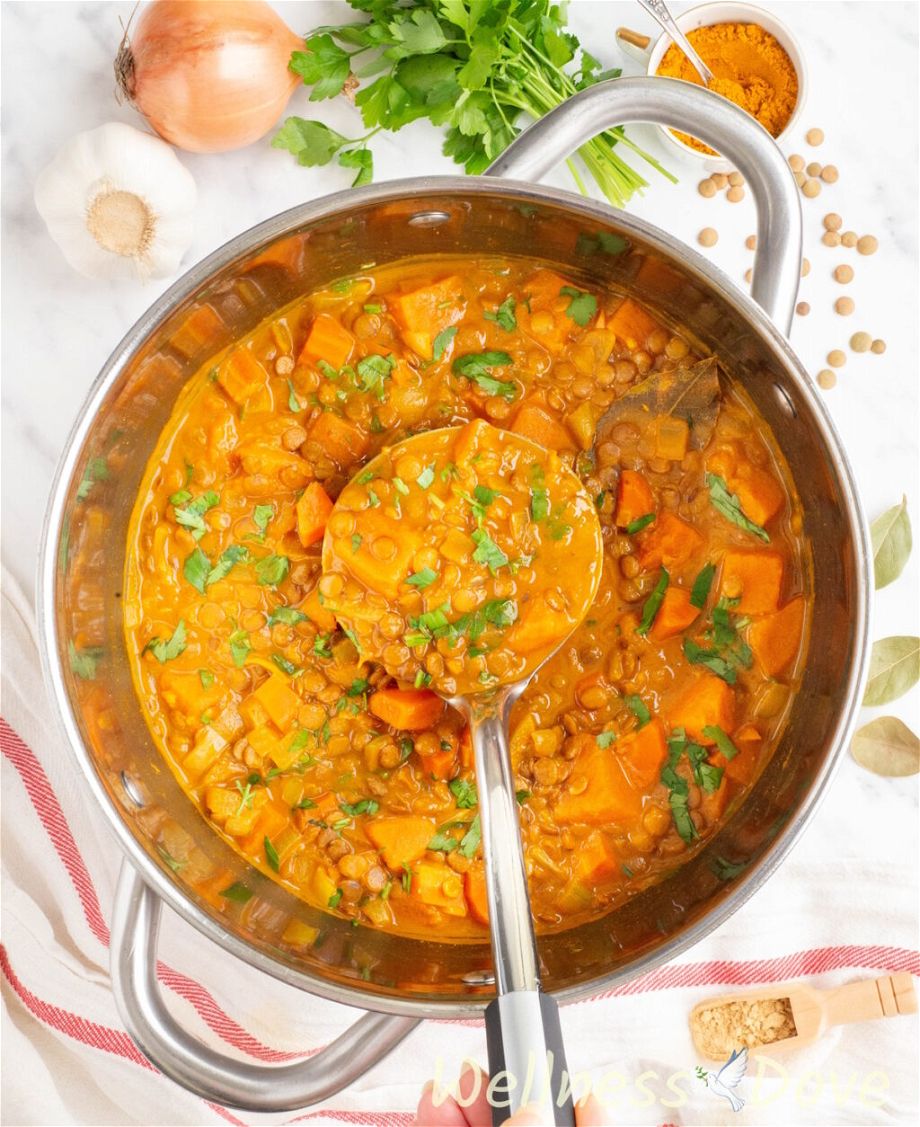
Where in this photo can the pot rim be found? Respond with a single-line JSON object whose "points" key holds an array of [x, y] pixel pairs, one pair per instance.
{"points": [[275, 227]]}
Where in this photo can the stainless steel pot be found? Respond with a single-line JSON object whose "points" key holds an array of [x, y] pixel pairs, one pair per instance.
{"points": [[404, 980]]}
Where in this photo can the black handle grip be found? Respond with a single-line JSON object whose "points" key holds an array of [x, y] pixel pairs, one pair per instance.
{"points": [[524, 1036]]}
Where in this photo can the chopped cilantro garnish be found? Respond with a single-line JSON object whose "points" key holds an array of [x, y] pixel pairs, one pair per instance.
{"points": [[477, 367], [238, 892], [272, 570], [582, 305], [284, 665], [321, 646], [206, 677], [192, 515], [701, 586], [422, 579], [335, 898], [83, 662], [725, 502], [487, 551], [653, 603], [442, 340], [287, 616], [504, 315], [722, 742], [355, 541], [464, 792], [271, 854], [639, 523], [605, 739], [639, 709], [166, 650], [372, 371], [425, 478], [239, 647], [293, 401], [363, 806]]}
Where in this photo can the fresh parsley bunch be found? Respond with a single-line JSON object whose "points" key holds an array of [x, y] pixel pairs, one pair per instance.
{"points": [[473, 66]]}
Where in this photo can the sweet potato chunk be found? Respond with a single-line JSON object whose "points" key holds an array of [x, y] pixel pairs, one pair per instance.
{"points": [[539, 626], [278, 700], [775, 639], [634, 498], [409, 710], [424, 313], [595, 859], [632, 324], [642, 753], [241, 375], [706, 701], [328, 340], [755, 577], [536, 423], [313, 511], [674, 615], [609, 798], [669, 542], [439, 886], [342, 441], [384, 576], [401, 839], [474, 882]]}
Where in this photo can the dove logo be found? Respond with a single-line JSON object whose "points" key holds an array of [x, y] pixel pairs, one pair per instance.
{"points": [[726, 1080]]}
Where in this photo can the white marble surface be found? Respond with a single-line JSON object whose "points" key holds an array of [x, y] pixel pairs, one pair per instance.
{"points": [[59, 328]]}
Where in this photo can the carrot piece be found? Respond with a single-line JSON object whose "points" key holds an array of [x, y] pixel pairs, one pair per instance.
{"points": [[706, 701], [423, 313], [609, 796], [401, 839], [632, 324], [241, 375], [325, 805], [321, 618], [534, 422], [674, 615], [474, 882], [438, 886], [634, 498], [775, 639], [313, 511], [740, 768], [342, 441], [756, 577], [672, 436], [440, 765], [539, 626], [327, 340], [409, 710], [747, 734], [642, 753], [670, 542], [278, 700]]}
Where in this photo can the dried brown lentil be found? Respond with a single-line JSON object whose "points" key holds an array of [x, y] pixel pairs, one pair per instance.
{"points": [[708, 237], [836, 358], [827, 379], [803, 309], [832, 221], [878, 347], [707, 188], [844, 306], [860, 342], [829, 174], [867, 244], [814, 136], [735, 195], [843, 274], [811, 188]]}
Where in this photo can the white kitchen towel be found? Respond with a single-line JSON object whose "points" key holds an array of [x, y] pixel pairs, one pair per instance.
{"points": [[843, 906]]}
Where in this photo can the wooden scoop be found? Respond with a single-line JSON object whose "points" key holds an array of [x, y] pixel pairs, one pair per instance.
{"points": [[812, 1013]]}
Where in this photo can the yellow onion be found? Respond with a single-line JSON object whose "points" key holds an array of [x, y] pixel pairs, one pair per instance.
{"points": [[208, 75]]}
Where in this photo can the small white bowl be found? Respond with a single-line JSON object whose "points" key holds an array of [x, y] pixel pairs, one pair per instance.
{"points": [[705, 15]]}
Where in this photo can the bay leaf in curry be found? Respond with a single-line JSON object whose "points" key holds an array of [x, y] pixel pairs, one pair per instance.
{"points": [[692, 394]]}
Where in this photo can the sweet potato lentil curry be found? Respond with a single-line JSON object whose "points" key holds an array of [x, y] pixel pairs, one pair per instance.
{"points": [[356, 790]]}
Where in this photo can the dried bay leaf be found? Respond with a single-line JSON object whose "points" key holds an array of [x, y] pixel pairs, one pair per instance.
{"points": [[886, 746], [691, 394], [891, 544], [893, 669]]}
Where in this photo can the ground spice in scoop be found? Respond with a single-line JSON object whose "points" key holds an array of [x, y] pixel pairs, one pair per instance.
{"points": [[749, 67], [718, 1030]]}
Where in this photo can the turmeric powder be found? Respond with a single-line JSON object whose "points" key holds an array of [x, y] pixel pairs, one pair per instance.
{"points": [[750, 68]]}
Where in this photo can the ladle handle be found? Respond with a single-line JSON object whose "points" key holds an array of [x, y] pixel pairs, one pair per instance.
{"points": [[715, 120], [523, 1032]]}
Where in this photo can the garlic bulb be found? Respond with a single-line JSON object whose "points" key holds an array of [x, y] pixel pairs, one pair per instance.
{"points": [[118, 203]]}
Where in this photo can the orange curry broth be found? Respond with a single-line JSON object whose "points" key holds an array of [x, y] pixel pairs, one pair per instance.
{"points": [[355, 791]]}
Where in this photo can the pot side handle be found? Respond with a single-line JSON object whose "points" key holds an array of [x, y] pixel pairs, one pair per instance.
{"points": [[722, 125], [200, 1069]]}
